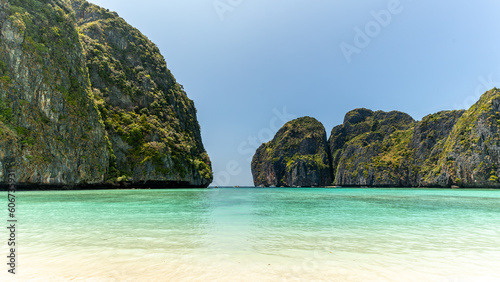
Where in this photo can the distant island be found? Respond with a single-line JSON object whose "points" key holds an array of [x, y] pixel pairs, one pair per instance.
{"points": [[87, 101], [449, 149]]}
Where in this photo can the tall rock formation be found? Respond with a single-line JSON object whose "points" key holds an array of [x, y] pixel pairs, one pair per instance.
{"points": [[86, 100], [149, 119], [471, 154], [390, 149], [427, 146], [363, 136], [51, 130], [297, 156]]}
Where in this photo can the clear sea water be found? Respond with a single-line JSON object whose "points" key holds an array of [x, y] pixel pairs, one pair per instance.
{"points": [[274, 234]]}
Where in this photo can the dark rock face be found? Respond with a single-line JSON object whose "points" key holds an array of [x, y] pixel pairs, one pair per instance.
{"points": [[427, 145], [363, 136], [297, 156], [354, 143], [50, 129], [395, 151], [149, 119], [471, 154], [86, 100], [390, 149]]}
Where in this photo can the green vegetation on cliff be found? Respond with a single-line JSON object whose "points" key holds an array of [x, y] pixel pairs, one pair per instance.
{"points": [[471, 154], [395, 151], [148, 116], [390, 149], [85, 99], [297, 156], [369, 147], [51, 129]]}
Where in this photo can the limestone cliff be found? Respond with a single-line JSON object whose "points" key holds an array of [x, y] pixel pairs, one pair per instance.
{"points": [[395, 151], [51, 131], [86, 100], [390, 149], [297, 156], [149, 118], [357, 146], [471, 153]]}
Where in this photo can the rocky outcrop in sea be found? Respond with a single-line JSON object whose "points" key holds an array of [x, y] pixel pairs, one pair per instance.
{"points": [[390, 149], [297, 156]]}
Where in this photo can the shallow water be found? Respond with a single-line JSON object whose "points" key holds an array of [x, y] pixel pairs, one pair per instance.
{"points": [[258, 235]]}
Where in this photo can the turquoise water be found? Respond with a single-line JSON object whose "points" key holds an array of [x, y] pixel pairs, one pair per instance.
{"points": [[260, 235]]}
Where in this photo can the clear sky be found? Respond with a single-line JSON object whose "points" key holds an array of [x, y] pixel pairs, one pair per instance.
{"points": [[251, 65]]}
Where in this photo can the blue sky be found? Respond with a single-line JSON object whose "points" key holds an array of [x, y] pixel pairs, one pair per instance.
{"points": [[251, 65]]}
